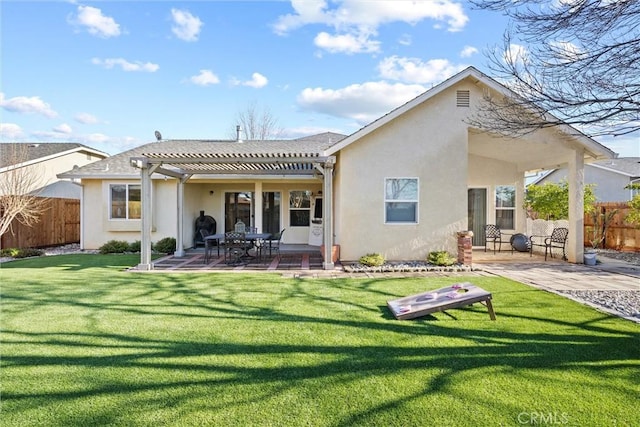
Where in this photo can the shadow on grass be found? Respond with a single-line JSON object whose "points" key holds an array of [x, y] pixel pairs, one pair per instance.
{"points": [[187, 337]]}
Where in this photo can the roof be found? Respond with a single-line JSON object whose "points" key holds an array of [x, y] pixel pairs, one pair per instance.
{"points": [[596, 149], [213, 156], [627, 166], [39, 151]]}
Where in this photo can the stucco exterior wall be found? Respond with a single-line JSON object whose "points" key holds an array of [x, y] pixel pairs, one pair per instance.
{"points": [[428, 142]]}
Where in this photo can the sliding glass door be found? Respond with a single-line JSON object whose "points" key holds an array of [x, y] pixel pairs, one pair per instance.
{"points": [[477, 214], [240, 206]]}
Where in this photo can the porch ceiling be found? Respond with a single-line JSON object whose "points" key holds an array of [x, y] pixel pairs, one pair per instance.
{"points": [[527, 153]]}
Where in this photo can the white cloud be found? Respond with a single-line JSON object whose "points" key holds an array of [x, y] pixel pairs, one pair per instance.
{"points": [[346, 43], [125, 65], [413, 70], [63, 128], [468, 51], [361, 102], [205, 78], [86, 118], [516, 54], [185, 26], [257, 80], [96, 23], [360, 20], [23, 104], [10, 131]]}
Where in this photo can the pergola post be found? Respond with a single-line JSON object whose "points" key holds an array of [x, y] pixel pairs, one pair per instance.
{"points": [[257, 206], [145, 217], [327, 206], [575, 244], [180, 219]]}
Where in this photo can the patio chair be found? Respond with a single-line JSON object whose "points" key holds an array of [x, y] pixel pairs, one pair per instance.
{"points": [[558, 239], [274, 242], [208, 245], [236, 247], [494, 235]]}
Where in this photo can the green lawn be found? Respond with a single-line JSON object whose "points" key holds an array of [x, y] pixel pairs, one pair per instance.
{"points": [[85, 343]]}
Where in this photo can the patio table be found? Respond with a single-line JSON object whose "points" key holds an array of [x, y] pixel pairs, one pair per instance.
{"points": [[253, 237]]}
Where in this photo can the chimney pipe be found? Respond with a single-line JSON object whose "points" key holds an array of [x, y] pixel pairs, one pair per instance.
{"points": [[238, 133]]}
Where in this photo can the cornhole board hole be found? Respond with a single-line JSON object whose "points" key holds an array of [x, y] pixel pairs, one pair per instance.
{"points": [[455, 296]]}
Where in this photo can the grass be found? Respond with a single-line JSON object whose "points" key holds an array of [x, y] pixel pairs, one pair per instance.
{"points": [[85, 343]]}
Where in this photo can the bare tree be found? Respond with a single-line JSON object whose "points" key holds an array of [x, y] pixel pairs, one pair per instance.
{"points": [[578, 60], [257, 124], [19, 199]]}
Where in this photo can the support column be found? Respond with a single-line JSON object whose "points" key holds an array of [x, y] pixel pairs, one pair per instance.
{"points": [[327, 200], [180, 218], [145, 218], [257, 206], [575, 244]]}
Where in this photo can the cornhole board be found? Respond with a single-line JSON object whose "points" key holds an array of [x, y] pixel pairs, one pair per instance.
{"points": [[455, 296]]}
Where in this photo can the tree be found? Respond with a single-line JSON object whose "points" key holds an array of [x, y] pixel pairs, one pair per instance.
{"points": [[19, 186], [578, 60], [633, 216], [551, 200], [257, 124]]}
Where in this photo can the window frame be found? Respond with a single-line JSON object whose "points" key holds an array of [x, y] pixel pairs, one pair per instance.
{"points": [[299, 209], [127, 201], [497, 208], [416, 201]]}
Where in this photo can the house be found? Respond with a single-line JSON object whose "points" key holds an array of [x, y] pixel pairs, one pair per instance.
{"points": [[402, 186], [46, 160], [609, 176]]}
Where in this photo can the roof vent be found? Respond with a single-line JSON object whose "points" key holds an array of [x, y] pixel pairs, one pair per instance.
{"points": [[462, 98], [239, 134]]}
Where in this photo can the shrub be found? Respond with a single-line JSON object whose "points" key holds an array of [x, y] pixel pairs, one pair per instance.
{"points": [[166, 245], [114, 247], [441, 258], [21, 253], [372, 260], [135, 246]]}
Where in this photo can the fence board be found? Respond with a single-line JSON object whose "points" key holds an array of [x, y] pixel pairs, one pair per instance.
{"points": [[58, 225], [621, 235]]}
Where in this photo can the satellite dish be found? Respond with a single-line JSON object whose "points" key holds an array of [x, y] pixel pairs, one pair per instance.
{"points": [[158, 136]]}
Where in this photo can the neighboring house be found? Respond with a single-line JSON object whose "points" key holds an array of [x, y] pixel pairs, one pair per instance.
{"points": [[610, 177], [46, 160], [401, 186]]}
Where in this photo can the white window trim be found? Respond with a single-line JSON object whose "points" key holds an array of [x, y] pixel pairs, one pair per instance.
{"points": [[109, 207], [496, 208], [385, 201], [291, 209]]}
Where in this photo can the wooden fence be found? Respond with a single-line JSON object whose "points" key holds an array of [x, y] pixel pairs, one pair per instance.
{"points": [[58, 225], [620, 235]]}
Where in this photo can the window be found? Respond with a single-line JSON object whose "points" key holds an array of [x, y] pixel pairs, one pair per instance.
{"points": [[401, 200], [299, 208], [125, 201], [505, 206]]}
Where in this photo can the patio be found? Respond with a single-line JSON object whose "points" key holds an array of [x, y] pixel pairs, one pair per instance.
{"points": [[308, 258]]}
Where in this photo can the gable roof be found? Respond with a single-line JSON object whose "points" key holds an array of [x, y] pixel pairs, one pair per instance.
{"points": [[628, 166], [214, 156], [35, 152], [596, 149]]}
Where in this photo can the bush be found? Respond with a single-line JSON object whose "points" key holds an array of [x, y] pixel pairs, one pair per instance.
{"points": [[114, 247], [372, 260], [166, 245], [135, 246], [441, 258], [21, 253]]}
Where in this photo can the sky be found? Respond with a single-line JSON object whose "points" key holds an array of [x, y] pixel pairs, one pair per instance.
{"points": [[108, 74]]}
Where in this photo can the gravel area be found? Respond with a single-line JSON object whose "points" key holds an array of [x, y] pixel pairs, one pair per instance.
{"points": [[630, 257], [626, 303]]}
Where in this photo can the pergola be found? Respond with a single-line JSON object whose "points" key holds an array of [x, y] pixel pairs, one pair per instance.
{"points": [[244, 160]]}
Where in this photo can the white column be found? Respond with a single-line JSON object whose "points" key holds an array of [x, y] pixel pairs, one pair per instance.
{"points": [[145, 219], [257, 206], [327, 200], [575, 244], [180, 219]]}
